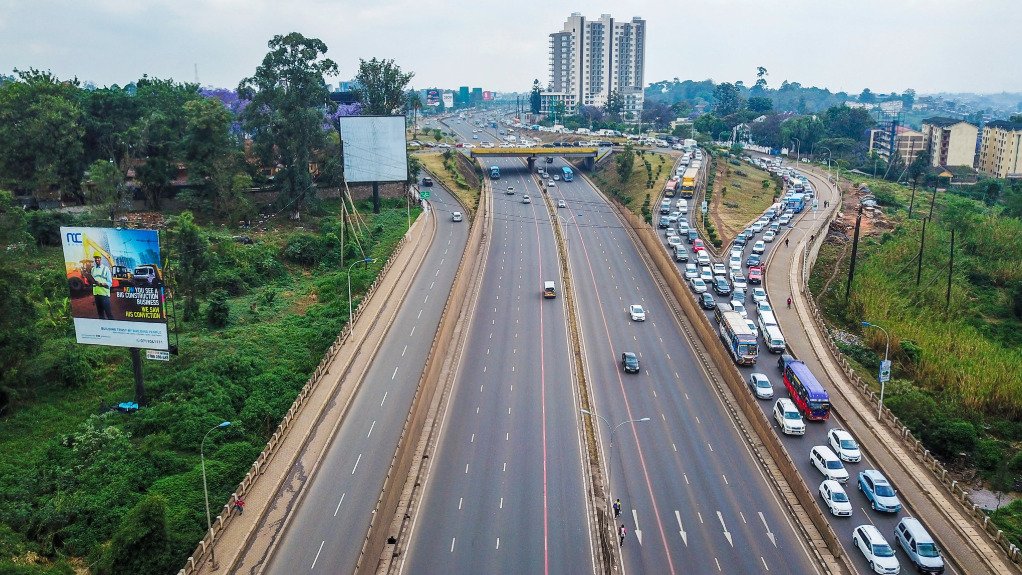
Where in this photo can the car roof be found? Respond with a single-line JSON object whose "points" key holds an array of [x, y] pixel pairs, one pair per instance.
{"points": [[871, 531], [785, 402], [841, 433], [875, 475], [824, 451], [832, 484]]}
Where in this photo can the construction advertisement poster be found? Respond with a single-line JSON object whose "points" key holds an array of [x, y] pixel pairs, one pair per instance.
{"points": [[116, 283]]}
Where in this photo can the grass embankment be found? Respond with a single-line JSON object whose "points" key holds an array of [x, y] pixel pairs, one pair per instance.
{"points": [[456, 173], [635, 182], [956, 362], [76, 476], [741, 194]]}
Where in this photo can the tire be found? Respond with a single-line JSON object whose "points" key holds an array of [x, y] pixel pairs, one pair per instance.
{"points": [[76, 284]]}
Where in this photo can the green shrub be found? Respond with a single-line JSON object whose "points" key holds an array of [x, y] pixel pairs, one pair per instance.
{"points": [[140, 544], [218, 311], [44, 225], [225, 279], [989, 453], [303, 249]]}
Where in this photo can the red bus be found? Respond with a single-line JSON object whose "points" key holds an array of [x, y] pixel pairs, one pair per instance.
{"points": [[807, 393]]}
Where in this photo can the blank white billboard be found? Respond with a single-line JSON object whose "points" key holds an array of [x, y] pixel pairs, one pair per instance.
{"points": [[374, 148]]}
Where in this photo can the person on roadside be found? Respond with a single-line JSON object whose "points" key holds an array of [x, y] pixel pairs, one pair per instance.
{"points": [[617, 508], [789, 303], [239, 506], [622, 532], [785, 242]]}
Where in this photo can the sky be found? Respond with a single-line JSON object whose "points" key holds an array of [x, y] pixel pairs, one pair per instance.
{"points": [[844, 45]]}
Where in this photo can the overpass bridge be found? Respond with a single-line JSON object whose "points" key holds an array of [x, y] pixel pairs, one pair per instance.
{"points": [[531, 153]]}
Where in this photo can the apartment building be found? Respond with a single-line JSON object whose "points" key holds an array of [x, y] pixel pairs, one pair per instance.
{"points": [[1000, 154], [907, 142], [952, 142], [591, 59]]}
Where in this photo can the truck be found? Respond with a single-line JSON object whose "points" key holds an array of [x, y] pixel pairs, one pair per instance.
{"points": [[689, 144], [671, 187], [688, 182]]}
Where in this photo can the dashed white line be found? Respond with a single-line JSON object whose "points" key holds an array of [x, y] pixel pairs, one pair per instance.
{"points": [[394, 375], [371, 427], [339, 504], [356, 464], [317, 554], [384, 398]]}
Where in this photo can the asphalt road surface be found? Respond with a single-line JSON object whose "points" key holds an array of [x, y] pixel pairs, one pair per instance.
{"points": [[331, 523]]}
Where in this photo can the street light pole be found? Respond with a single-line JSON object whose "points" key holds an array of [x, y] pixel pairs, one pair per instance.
{"points": [[613, 430], [880, 375], [205, 488], [362, 261], [797, 149]]}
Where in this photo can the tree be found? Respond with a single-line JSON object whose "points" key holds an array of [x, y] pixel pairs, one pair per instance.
{"points": [[414, 103], [867, 97], [844, 122], [104, 185], [768, 131], [288, 94], [761, 83], [760, 105], [207, 140], [658, 114], [141, 544], [908, 98], [615, 105], [191, 259], [728, 99], [807, 129], [709, 124], [18, 336], [535, 99], [591, 114], [989, 190], [624, 162], [1013, 200], [381, 86]]}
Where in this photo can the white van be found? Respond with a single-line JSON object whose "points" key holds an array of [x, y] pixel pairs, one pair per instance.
{"points": [[921, 549], [772, 337], [766, 319], [788, 418], [681, 205]]}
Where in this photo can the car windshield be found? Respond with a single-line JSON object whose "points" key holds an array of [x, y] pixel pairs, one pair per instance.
{"points": [[883, 490], [834, 464], [848, 444], [927, 550], [791, 415], [762, 383], [838, 497], [883, 550]]}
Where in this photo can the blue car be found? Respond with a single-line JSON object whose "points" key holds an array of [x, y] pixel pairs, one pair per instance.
{"points": [[753, 260], [881, 495]]}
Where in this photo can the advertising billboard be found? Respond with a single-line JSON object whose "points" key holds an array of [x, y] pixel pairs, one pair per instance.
{"points": [[374, 148], [487, 96], [448, 100], [433, 97], [118, 297]]}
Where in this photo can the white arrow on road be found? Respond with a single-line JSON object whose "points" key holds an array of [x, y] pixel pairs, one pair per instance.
{"points": [[769, 533], [726, 532], [638, 532], [681, 530]]}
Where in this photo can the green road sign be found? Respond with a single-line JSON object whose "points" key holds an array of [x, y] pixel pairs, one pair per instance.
{"points": [[424, 195]]}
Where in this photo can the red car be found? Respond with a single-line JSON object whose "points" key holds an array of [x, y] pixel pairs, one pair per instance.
{"points": [[755, 275], [697, 245]]}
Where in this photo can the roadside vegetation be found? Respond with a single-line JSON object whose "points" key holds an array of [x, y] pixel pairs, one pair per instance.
{"points": [[635, 178], [456, 173], [957, 358], [741, 193], [252, 257]]}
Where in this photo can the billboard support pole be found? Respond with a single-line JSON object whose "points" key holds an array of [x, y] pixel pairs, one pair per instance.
{"points": [[136, 364], [376, 197]]}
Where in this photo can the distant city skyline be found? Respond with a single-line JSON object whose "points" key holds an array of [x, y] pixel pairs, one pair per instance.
{"points": [[942, 46]]}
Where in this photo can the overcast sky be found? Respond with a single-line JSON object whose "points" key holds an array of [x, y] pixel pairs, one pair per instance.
{"points": [[886, 45]]}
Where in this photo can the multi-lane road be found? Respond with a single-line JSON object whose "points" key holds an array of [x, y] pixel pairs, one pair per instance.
{"points": [[328, 528]]}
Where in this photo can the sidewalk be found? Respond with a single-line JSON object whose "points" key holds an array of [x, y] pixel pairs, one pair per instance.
{"points": [[246, 542], [968, 547]]}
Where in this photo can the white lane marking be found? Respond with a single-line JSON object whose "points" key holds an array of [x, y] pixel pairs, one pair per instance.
{"points": [[635, 521], [742, 515], [339, 504], [710, 446], [726, 532], [356, 464], [505, 466], [654, 394], [411, 333], [420, 315], [681, 529], [501, 502], [453, 539], [371, 427], [403, 351], [769, 533], [725, 479], [426, 298], [718, 564], [473, 439], [394, 374], [507, 436], [317, 555], [466, 468], [460, 501], [384, 398], [697, 420], [431, 285], [675, 447], [764, 563]]}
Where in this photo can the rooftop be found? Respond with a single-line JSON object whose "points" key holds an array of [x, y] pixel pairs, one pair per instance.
{"points": [[1006, 125], [945, 122]]}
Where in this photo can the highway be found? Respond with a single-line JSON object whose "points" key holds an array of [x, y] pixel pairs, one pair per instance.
{"points": [[505, 489], [328, 527], [694, 498], [798, 447]]}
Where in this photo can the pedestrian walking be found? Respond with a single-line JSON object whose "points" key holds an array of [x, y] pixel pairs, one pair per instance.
{"points": [[785, 242], [239, 505], [622, 532], [617, 508], [789, 303]]}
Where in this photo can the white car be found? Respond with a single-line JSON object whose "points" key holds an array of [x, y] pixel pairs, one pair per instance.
{"points": [[706, 274], [739, 281], [551, 184], [758, 295], [836, 499], [682, 227], [456, 216], [636, 312], [674, 241], [698, 285], [876, 550], [561, 204], [756, 227], [735, 261], [691, 271], [761, 386], [762, 306], [670, 232], [769, 236], [784, 220], [557, 177], [752, 327], [759, 247], [510, 191], [740, 308], [719, 270], [788, 418], [703, 258], [824, 460], [844, 445], [526, 199]]}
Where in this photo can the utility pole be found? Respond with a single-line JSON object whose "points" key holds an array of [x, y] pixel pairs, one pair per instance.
{"points": [[950, 272], [933, 200], [912, 201], [922, 244], [855, 250]]}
